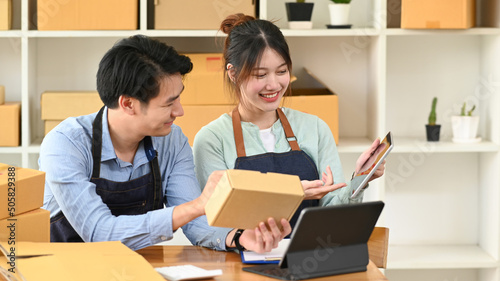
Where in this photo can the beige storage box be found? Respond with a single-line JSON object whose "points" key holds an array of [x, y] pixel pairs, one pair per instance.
{"points": [[438, 14]]}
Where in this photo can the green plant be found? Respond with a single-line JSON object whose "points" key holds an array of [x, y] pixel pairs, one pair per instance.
{"points": [[432, 115], [340, 1], [301, 1], [469, 113]]}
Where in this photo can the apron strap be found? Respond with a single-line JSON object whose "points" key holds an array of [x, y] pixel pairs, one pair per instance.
{"points": [[238, 132], [97, 143], [290, 136]]}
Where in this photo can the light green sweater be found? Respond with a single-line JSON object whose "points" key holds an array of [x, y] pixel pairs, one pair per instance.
{"points": [[214, 148]]}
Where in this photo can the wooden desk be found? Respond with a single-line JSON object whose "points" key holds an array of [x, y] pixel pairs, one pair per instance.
{"points": [[230, 263]]}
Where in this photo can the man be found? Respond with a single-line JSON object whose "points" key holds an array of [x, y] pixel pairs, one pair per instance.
{"points": [[109, 174]]}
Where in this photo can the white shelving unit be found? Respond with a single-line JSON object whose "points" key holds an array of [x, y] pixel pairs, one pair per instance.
{"points": [[442, 199]]}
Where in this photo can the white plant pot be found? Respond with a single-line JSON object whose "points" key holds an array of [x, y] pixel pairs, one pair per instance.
{"points": [[465, 128], [339, 13]]}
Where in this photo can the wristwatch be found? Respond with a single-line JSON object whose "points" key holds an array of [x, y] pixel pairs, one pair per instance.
{"points": [[236, 240]]}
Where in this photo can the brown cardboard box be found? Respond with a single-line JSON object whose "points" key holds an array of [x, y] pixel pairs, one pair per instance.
{"points": [[87, 14], [32, 226], [10, 122], [29, 186], [51, 124], [196, 14], [321, 102], [61, 105], [197, 116], [244, 198], [205, 83], [2, 92], [5, 14], [442, 14], [96, 261]]}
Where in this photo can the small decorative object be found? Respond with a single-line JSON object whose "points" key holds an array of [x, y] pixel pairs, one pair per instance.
{"points": [[465, 126], [339, 14], [433, 129], [299, 14]]}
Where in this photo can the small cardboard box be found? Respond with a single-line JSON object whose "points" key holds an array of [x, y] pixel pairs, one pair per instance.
{"points": [[205, 83], [441, 14], [2, 93], [197, 116], [87, 14], [96, 261], [243, 199], [196, 14], [61, 105], [32, 226], [321, 102], [10, 123], [24, 195], [5, 14]]}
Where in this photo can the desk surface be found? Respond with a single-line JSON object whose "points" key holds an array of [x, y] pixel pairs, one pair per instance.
{"points": [[230, 263]]}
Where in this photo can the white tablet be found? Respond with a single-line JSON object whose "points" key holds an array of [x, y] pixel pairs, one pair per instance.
{"points": [[361, 178]]}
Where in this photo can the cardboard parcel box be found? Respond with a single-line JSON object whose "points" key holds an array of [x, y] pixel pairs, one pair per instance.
{"points": [[244, 198], [10, 124], [5, 14], [204, 85], [27, 190], [438, 14], [321, 102], [198, 14], [197, 116], [57, 106], [87, 14], [96, 261], [32, 226]]}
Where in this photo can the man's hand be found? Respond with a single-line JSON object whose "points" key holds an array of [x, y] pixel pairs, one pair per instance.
{"points": [[263, 238], [318, 188]]}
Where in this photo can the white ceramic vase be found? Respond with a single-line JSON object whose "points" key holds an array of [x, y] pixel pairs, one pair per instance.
{"points": [[339, 13], [465, 128]]}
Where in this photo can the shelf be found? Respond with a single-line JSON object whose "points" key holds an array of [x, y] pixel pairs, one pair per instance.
{"points": [[11, 34], [439, 257], [411, 145], [123, 33], [359, 31], [471, 31]]}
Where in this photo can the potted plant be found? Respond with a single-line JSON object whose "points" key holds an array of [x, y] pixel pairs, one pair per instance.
{"points": [[433, 129], [464, 126], [299, 14], [339, 13]]}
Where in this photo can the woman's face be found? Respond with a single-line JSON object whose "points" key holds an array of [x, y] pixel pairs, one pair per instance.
{"points": [[267, 84]]}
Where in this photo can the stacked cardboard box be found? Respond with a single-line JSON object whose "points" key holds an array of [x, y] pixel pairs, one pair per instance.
{"points": [[5, 14], [196, 14], [57, 106], [87, 14], [10, 121], [21, 197], [442, 14]]}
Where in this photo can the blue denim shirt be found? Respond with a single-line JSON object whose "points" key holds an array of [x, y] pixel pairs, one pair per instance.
{"points": [[66, 157]]}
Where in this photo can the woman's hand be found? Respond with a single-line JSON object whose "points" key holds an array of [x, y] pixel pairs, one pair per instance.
{"points": [[367, 159], [318, 188], [264, 238]]}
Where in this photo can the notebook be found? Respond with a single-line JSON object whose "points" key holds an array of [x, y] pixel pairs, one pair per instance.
{"points": [[326, 241]]}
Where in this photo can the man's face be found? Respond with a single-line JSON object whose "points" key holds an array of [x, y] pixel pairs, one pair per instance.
{"points": [[159, 115]]}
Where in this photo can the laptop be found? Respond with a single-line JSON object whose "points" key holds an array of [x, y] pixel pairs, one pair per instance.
{"points": [[326, 241]]}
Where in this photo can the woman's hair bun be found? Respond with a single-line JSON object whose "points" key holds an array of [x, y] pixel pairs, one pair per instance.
{"points": [[234, 20]]}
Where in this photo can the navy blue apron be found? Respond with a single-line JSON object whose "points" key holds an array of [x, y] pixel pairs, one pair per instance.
{"points": [[134, 197], [293, 162]]}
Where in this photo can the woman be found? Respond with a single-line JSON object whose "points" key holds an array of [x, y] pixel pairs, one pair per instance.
{"points": [[258, 134]]}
